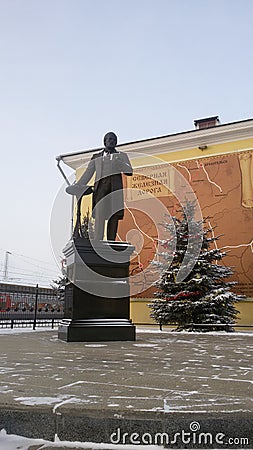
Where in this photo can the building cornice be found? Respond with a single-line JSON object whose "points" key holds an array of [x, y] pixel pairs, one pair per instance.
{"points": [[175, 142]]}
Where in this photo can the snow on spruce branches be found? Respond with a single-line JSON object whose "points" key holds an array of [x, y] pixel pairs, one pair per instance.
{"points": [[204, 296]]}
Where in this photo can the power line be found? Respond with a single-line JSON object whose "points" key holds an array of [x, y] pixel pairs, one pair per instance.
{"points": [[34, 274], [27, 271], [19, 272], [23, 276], [40, 267], [29, 257]]}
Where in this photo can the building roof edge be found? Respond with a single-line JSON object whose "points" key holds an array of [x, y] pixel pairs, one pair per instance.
{"points": [[157, 138]]}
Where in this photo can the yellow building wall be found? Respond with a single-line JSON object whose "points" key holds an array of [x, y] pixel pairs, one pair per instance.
{"points": [[195, 152], [212, 150], [246, 312], [140, 312]]}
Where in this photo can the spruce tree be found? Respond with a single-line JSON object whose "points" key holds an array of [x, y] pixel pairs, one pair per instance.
{"points": [[59, 287], [87, 226], [204, 296]]}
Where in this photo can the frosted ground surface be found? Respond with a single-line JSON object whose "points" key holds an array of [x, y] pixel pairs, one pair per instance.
{"points": [[159, 372], [12, 442], [162, 372]]}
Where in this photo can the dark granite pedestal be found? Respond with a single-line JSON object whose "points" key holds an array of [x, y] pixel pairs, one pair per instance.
{"points": [[97, 298]]}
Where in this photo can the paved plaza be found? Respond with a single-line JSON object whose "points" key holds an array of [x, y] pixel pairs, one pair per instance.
{"points": [[164, 381]]}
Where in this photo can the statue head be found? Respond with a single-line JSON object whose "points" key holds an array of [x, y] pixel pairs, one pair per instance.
{"points": [[110, 140]]}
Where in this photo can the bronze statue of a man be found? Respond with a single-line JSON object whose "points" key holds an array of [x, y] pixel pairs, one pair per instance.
{"points": [[107, 200]]}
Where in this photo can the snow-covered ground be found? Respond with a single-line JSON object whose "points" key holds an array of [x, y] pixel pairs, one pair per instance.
{"points": [[160, 372], [14, 442], [140, 329], [19, 330]]}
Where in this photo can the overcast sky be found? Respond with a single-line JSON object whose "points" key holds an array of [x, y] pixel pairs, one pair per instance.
{"points": [[72, 70]]}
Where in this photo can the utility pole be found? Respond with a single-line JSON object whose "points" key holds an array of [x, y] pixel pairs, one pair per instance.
{"points": [[6, 265]]}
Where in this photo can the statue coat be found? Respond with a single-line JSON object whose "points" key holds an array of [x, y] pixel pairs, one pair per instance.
{"points": [[108, 179]]}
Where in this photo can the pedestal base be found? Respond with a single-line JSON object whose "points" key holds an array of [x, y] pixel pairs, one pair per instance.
{"points": [[97, 303], [96, 330]]}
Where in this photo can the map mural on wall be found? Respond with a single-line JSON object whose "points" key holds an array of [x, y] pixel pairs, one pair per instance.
{"points": [[223, 185]]}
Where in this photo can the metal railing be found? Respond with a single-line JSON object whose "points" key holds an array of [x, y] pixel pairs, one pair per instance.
{"points": [[26, 323]]}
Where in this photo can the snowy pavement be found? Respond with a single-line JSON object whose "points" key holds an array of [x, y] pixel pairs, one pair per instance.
{"points": [[14, 442], [74, 389]]}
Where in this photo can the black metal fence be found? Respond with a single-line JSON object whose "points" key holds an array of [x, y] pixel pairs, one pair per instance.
{"points": [[22, 305], [15, 297], [26, 323]]}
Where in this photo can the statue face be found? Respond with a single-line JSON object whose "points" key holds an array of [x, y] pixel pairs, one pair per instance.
{"points": [[110, 140]]}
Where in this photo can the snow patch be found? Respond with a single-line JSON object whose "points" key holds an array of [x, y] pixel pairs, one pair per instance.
{"points": [[145, 345], [19, 330], [71, 384], [95, 345], [13, 442], [32, 401], [5, 389]]}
